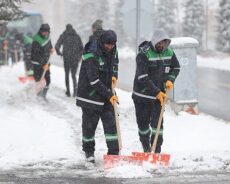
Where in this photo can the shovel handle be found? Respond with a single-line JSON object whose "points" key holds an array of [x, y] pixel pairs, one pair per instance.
{"points": [[153, 148], [6, 56], [44, 71], [117, 121], [40, 85]]}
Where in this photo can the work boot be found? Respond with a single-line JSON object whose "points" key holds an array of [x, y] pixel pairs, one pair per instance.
{"points": [[45, 90], [113, 152], [75, 92], [43, 93], [89, 161], [158, 149], [89, 157], [146, 147], [67, 93]]}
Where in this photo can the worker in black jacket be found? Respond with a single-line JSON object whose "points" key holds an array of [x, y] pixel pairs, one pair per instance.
{"points": [[72, 53], [97, 30], [98, 71], [156, 70], [40, 54]]}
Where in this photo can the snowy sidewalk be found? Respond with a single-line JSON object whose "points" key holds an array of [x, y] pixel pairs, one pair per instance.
{"points": [[31, 134]]}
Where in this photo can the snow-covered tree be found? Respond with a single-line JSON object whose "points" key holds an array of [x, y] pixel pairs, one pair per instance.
{"points": [[83, 13], [11, 9], [102, 12], [165, 16], [193, 21], [118, 23], [223, 28]]}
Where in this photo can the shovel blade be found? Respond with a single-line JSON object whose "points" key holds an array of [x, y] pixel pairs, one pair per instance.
{"points": [[40, 85], [111, 161], [24, 79], [154, 158]]}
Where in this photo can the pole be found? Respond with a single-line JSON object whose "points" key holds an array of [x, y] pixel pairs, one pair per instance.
{"points": [[178, 19], [206, 24], [138, 7]]}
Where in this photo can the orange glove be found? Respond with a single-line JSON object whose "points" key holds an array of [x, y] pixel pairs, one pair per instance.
{"points": [[46, 67], [161, 97], [113, 100], [169, 85], [114, 81], [52, 50]]}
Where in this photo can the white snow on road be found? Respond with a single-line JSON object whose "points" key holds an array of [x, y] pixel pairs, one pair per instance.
{"points": [[33, 134], [221, 62]]}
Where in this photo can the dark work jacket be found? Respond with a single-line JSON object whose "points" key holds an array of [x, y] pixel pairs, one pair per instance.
{"points": [[40, 51], [91, 46], [95, 78], [72, 46], [153, 69]]}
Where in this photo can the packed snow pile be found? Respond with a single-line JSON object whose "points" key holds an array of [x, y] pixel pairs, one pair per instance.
{"points": [[184, 41], [38, 134], [28, 131]]}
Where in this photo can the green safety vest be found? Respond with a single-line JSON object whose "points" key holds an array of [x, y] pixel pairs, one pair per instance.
{"points": [[42, 41], [154, 56]]}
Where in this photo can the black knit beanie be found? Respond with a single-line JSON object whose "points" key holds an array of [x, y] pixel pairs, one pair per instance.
{"points": [[109, 37], [44, 28]]}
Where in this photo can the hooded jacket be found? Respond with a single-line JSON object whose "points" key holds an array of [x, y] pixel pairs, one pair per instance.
{"points": [[95, 78], [72, 45], [91, 46], [154, 68]]}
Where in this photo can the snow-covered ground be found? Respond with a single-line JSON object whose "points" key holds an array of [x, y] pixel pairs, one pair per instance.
{"points": [[35, 134]]}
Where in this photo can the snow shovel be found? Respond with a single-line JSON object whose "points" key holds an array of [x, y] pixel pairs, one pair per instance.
{"points": [[39, 86], [111, 161], [24, 79], [152, 157]]}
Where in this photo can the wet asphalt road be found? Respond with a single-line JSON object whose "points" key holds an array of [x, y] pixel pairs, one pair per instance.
{"points": [[214, 92], [67, 177]]}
